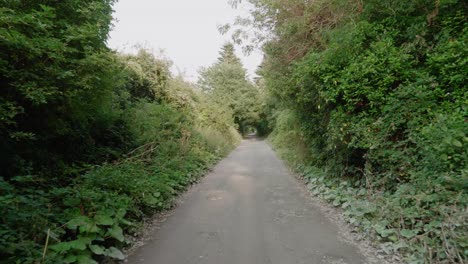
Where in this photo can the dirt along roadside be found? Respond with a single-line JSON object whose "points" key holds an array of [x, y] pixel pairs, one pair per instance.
{"points": [[250, 209]]}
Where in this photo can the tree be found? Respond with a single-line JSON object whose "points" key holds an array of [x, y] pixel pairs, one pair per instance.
{"points": [[227, 85], [227, 55], [56, 75]]}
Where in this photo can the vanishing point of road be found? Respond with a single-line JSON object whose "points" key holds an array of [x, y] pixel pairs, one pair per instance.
{"points": [[248, 210]]}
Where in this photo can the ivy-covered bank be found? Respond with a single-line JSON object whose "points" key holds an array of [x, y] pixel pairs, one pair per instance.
{"points": [[91, 141], [368, 99]]}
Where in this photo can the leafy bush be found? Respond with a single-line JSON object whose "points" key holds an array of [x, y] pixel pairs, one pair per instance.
{"points": [[57, 86], [87, 221], [226, 84], [423, 222]]}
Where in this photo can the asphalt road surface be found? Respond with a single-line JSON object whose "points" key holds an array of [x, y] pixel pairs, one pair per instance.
{"points": [[248, 210]]}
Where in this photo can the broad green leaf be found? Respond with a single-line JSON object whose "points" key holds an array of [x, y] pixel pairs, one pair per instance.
{"points": [[98, 250], [121, 213], [78, 221], [116, 232], [125, 222], [61, 247], [70, 258], [103, 219], [457, 143], [85, 259], [80, 243], [407, 233], [115, 253], [89, 227]]}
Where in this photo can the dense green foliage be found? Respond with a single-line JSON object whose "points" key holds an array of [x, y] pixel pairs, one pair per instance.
{"points": [[366, 98], [48, 121], [226, 84], [371, 104], [90, 141]]}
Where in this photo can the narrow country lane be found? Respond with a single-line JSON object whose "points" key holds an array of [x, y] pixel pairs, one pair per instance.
{"points": [[248, 210]]}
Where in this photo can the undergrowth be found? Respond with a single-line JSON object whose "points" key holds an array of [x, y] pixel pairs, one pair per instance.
{"points": [[89, 220], [418, 223], [116, 154]]}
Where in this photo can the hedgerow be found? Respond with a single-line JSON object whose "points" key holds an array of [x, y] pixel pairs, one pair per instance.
{"points": [[370, 100], [91, 141]]}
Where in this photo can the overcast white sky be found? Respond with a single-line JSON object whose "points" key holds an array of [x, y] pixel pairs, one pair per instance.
{"points": [[185, 29]]}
